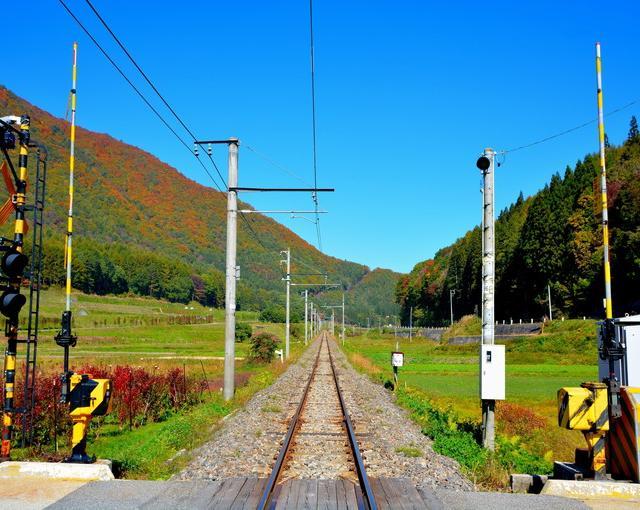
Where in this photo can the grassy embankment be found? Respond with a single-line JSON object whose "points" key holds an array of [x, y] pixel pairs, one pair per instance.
{"points": [[149, 333], [439, 384]]}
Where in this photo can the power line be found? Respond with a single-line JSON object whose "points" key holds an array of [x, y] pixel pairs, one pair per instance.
{"points": [[137, 91], [313, 123], [274, 250], [567, 131], [148, 80], [160, 117]]}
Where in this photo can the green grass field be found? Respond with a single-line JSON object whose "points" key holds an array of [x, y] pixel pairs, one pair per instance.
{"points": [[115, 330], [565, 354], [153, 334]]}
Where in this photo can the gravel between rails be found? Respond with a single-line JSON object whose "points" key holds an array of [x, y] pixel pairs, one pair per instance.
{"points": [[249, 441], [320, 448]]}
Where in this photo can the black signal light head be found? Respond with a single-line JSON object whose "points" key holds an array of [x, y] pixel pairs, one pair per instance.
{"points": [[483, 163], [11, 302], [13, 263]]}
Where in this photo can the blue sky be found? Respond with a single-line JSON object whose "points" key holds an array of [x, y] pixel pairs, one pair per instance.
{"points": [[408, 95]]}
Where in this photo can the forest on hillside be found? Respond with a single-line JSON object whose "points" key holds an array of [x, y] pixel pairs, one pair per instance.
{"points": [[554, 239], [142, 227]]}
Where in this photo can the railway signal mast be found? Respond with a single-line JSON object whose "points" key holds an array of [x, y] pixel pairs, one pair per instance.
{"points": [[87, 397]]}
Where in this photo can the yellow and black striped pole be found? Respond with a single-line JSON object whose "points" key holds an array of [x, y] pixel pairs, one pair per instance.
{"points": [[608, 304], [72, 153], [65, 338], [13, 321], [611, 348]]}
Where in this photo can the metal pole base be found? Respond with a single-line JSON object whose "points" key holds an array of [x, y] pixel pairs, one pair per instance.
{"points": [[79, 454]]}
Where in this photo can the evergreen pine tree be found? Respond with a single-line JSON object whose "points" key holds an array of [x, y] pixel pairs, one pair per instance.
{"points": [[633, 128], [606, 141]]}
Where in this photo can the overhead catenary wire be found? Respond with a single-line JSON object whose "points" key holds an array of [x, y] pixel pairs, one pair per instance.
{"points": [[313, 123], [159, 115], [148, 80], [137, 90]]}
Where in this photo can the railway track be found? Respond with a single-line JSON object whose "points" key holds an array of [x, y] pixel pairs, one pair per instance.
{"points": [[320, 440]]}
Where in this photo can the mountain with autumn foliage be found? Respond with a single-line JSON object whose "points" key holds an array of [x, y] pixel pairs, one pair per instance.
{"points": [[143, 227]]}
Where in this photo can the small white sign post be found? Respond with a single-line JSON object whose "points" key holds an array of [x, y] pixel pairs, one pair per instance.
{"points": [[397, 360]]}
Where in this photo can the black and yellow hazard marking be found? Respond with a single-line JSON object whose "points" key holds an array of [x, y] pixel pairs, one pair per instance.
{"points": [[622, 441], [13, 321]]}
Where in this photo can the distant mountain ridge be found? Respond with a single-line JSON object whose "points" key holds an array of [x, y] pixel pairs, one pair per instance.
{"points": [[142, 226]]}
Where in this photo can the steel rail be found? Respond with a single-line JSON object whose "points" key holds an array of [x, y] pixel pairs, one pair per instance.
{"points": [[365, 486], [366, 501], [266, 500]]}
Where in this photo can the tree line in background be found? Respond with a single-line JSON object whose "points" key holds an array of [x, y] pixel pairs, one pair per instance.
{"points": [[118, 268], [554, 239]]}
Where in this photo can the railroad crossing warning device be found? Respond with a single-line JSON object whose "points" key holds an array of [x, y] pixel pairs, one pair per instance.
{"points": [[87, 397], [397, 360], [611, 426], [15, 266], [586, 409]]}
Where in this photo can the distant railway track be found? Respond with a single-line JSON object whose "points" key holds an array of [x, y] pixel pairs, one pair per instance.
{"points": [[320, 434]]}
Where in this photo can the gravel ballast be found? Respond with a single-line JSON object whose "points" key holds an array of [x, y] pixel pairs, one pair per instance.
{"points": [[392, 445]]}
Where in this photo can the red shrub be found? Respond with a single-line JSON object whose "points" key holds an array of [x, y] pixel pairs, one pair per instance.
{"points": [[517, 420]]}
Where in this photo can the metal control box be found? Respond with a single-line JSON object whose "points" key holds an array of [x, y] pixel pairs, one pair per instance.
{"points": [[627, 330], [492, 372]]}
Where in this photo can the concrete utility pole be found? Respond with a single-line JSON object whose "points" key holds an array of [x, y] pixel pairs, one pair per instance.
{"points": [[549, 294], [333, 323], [306, 316], [230, 289], [451, 293], [410, 323], [488, 286], [343, 332], [287, 279]]}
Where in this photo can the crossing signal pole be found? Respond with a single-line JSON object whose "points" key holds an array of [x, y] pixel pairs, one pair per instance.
{"points": [[11, 302], [486, 166]]}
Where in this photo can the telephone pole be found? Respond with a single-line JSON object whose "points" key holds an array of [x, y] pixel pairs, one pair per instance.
{"points": [[410, 323], [230, 290], [451, 293], [287, 279], [311, 320], [549, 294], [486, 165], [343, 332]]}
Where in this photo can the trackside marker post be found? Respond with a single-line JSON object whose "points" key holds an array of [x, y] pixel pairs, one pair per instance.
{"points": [[397, 360]]}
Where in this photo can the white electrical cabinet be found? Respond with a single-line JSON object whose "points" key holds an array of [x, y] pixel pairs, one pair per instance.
{"points": [[492, 372], [628, 368]]}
